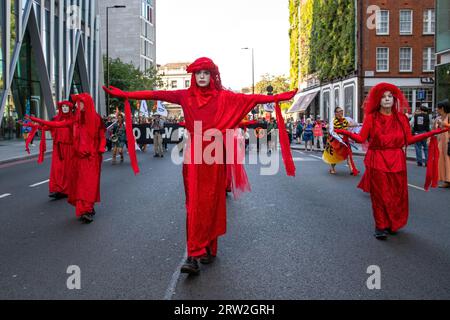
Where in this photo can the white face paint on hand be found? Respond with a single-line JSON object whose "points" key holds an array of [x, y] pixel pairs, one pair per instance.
{"points": [[65, 109], [387, 101], [203, 78]]}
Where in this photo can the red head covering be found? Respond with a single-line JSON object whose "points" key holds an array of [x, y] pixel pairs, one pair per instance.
{"points": [[61, 115], [89, 117], [373, 100], [200, 96]]}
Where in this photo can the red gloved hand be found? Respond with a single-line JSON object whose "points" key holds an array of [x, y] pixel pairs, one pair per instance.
{"points": [[115, 92], [286, 95]]}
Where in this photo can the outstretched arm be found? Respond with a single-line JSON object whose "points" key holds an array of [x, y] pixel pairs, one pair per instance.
{"points": [[363, 135], [53, 124], [414, 139], [161, 95]]}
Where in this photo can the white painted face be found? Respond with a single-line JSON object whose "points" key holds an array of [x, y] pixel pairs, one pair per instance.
{"points": [[65, 109], [387, 101], [203, 78]]}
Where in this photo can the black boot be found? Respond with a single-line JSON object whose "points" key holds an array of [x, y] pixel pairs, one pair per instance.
{"points": [[380, 234], [389, 231], [190, 266], [87, 217], [207, 258]]}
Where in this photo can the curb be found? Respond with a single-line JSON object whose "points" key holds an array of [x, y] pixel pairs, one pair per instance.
{"points": [[26, 157], [356, 153]]}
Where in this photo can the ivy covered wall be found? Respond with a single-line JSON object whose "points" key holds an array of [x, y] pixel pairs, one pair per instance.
{"points": [[326, 38], [294, 6]]}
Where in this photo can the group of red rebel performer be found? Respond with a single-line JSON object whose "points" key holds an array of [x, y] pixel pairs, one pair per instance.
{"points": [[206, 103], [385, 178], [79, 142]]}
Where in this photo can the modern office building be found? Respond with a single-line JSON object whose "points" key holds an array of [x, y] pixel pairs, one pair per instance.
{"points": [[49, 49], [131, 31]]}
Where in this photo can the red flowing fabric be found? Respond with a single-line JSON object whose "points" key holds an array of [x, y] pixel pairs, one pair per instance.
{"points": [[432, 175], [130, 137], [284, 142], [42, 146]]}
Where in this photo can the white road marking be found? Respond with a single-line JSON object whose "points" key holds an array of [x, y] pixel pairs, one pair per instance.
{"points": [[39, 183], [109, 159], [303, 159], [173, 281], [415, 187], [4, 195]]}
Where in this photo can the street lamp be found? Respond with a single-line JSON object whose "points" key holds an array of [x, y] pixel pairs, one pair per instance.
{"points": [[107, 49], [256, 109]]}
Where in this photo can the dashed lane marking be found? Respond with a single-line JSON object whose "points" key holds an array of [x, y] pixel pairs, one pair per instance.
{"points": [[4, 195], [39, 183], [415, 187]]}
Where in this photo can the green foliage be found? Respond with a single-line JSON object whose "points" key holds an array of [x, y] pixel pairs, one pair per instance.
{"points": [[279, 84], [327, 38], [294, 41], [127, 77]]}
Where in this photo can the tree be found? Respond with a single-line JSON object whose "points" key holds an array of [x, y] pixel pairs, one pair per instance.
{"points": [[279, 84], [129, 78]]}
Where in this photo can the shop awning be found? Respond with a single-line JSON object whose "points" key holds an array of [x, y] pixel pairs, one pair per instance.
{"points": [[302, 103]]}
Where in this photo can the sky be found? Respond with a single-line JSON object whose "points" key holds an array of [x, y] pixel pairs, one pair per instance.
{"points": [[218, 29]]}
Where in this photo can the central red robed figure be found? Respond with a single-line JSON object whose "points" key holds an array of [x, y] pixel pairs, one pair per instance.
{"points": [[205, 184]]}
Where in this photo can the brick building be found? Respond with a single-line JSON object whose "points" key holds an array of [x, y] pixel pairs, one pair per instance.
{"points": [[398, 47], [394, 42]]}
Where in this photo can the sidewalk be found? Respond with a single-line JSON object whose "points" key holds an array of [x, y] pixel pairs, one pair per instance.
{"points": [[14, 150], [410, 151]]}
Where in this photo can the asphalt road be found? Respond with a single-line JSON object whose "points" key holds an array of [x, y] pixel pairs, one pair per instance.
{"points": [[308, 237]]}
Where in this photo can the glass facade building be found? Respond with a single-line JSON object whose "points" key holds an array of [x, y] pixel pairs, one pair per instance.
{"points": [[49, 49]]}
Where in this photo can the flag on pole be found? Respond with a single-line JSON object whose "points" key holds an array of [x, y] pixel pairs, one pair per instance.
{"points": [[161, 110], [144, 108]]}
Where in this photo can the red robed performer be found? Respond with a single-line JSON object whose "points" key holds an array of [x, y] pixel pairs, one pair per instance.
{"points": [[63, 151], [385, 177], [207, 104], [89, 145]]}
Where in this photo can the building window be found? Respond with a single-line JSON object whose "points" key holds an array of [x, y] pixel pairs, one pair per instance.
{"points": [[382, 59], [326, 105], [173, 84], [428, 21], [187, 83], [382, 22], [406, 17], [405, 59], [429, 59], [348, 101], [336, 97]]}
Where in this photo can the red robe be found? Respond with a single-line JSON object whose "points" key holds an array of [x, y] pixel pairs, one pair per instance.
{"points": [[385, 177], [205, 184], [89, 144], [60, 172]]}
